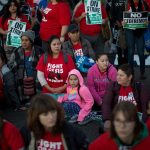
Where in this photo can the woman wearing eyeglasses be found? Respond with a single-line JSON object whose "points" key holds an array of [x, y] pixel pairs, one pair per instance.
{"points": [[127, 132]]}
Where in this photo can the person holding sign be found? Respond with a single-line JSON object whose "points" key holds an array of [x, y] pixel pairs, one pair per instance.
{"points": [[91, 32], [12, 12], [134, 33]]}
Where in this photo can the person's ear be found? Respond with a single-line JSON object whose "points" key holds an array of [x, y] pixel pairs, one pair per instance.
{"points": [[69, 34], [130, 77]]}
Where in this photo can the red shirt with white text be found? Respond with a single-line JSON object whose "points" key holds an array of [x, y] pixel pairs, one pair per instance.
{"points": [[54, 17], [55, 70]]}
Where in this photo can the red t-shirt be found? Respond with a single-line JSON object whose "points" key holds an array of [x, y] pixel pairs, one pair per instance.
{"points": [[30, 2], [148, 124], [11, 138], [22, 19], [56, 70], [54, 17], [126, 94], [78, 49], [28, 53], [136, 6], [85, 28], [48, 141]]}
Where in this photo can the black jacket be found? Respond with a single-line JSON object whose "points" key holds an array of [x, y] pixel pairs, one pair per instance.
{"points": [[74, 137], [116, 10]]}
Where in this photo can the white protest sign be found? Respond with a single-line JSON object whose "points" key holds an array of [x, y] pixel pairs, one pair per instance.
{"points": [[135, 20], [15, 30], [93, 11]]}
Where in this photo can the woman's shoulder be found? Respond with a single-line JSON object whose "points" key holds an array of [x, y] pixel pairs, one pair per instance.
{"points": [[103, 141], [94, 67], [10, 129]]}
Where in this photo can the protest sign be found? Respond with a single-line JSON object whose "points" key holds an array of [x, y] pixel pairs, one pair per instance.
{"points": [[15, 30], [135, 20], [93, 11]]}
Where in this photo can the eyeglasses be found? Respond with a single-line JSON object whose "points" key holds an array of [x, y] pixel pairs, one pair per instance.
{"points": [[118, 123]]}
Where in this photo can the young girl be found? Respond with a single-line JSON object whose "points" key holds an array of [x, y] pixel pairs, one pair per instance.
{"points": [[78, 101], [99, 76]]}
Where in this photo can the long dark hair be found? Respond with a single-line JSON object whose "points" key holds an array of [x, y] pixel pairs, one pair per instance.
{"points": [[130, 112], [7, 13], [43, 103]]}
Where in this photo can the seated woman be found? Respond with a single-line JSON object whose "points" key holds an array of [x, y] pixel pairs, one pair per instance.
{"points": [[46, 122], [124, 89], [99, 76], [126, 131], [10, 137], [53, 68]]}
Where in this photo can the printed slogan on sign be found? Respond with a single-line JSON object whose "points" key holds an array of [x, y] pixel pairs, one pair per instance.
{"points": [[93, 11], [15, 30], [134, 20]]}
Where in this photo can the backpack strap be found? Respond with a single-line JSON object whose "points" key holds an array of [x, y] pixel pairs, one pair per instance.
{"points": [[65, 57], [45, 58]]}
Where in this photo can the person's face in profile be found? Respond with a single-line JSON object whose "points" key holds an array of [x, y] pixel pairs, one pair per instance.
{"points": [[124, 128], [123, 79], [48, 119]]}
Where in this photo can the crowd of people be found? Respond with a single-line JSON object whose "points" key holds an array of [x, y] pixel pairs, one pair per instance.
{"points": [[61, 73]]}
